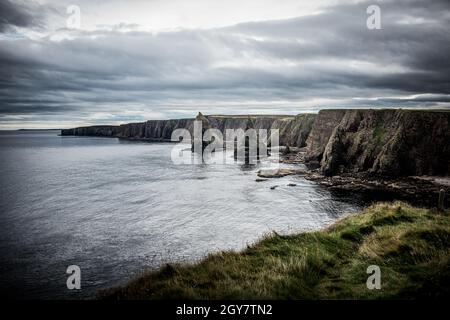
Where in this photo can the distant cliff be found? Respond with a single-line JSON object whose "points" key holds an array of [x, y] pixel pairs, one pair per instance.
{"points": [[294, 130], [392, 142], [102, 131]]}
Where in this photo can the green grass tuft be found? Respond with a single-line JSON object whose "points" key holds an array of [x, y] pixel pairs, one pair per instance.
{"points": [[410, 245]]}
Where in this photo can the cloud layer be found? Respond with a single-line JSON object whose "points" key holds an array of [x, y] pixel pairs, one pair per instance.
{"points": [[122, 73]]}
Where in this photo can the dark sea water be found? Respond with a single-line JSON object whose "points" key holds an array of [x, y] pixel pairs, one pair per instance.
{"points": [[116, 208]]}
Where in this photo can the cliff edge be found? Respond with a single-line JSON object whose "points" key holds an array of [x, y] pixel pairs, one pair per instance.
{"points": [[294, 130], [393, 142]]}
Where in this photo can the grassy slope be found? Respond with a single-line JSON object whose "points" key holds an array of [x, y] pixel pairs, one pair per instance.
{"points": [[411, 246]]}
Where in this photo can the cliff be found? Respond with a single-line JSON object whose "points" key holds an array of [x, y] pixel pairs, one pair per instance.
{"points": [[153, 129], [391, 142], [102, 131], [323, 127], [293, 129]]}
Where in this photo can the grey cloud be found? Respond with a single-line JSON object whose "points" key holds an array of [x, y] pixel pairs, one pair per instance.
{"points": [[20, 13], [331, 55]]}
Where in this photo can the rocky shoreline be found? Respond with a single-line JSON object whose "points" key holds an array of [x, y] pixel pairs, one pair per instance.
{"points": [[417, 190], [389, 153]]}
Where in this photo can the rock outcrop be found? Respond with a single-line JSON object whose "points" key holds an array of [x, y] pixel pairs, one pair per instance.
{"points": [[199, 140], [278, 173], [294, 131], [387, 143], [320, 134]]}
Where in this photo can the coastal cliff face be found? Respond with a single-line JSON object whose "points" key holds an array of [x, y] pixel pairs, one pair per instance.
{"points": [[153, 129], [381, 142], [293, 129], [324, 124], [101, 131], [391, 142]]}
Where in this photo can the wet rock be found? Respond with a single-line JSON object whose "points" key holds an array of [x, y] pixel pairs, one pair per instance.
{"points": [[415, 190], [278, 173], [295, 156]]}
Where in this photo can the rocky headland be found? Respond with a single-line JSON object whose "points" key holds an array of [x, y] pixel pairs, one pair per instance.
{"points": [[388, 143], [403, 154], [398, 154]]}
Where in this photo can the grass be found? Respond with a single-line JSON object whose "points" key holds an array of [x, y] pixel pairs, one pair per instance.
{"points": [[379, 133], [410, 245]]}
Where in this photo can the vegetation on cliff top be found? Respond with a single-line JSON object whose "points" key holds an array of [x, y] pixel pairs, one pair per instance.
{"points": [[410, 245]]}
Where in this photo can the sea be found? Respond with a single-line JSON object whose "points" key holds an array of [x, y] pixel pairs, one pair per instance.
{"points": [[117, 208]]}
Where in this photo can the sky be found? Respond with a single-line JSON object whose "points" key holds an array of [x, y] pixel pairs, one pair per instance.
{"points": [[134, 60]]}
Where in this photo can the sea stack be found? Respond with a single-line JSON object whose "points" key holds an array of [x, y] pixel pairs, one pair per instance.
{"points": [[245, 144], [198, 138]]}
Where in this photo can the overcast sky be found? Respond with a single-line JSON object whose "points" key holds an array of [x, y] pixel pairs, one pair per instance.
{"points": [[130, 61]]}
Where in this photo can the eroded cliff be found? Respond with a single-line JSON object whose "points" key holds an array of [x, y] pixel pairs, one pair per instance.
{"points": [[390, 142], [393, 142], [293, 129]]}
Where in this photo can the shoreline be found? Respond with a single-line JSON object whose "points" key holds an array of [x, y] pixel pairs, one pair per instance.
{"points": [[417, 190]]}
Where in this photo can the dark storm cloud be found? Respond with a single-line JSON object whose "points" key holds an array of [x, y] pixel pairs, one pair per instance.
{"points": [[330, 55], [421, 46], [19, 14]]}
